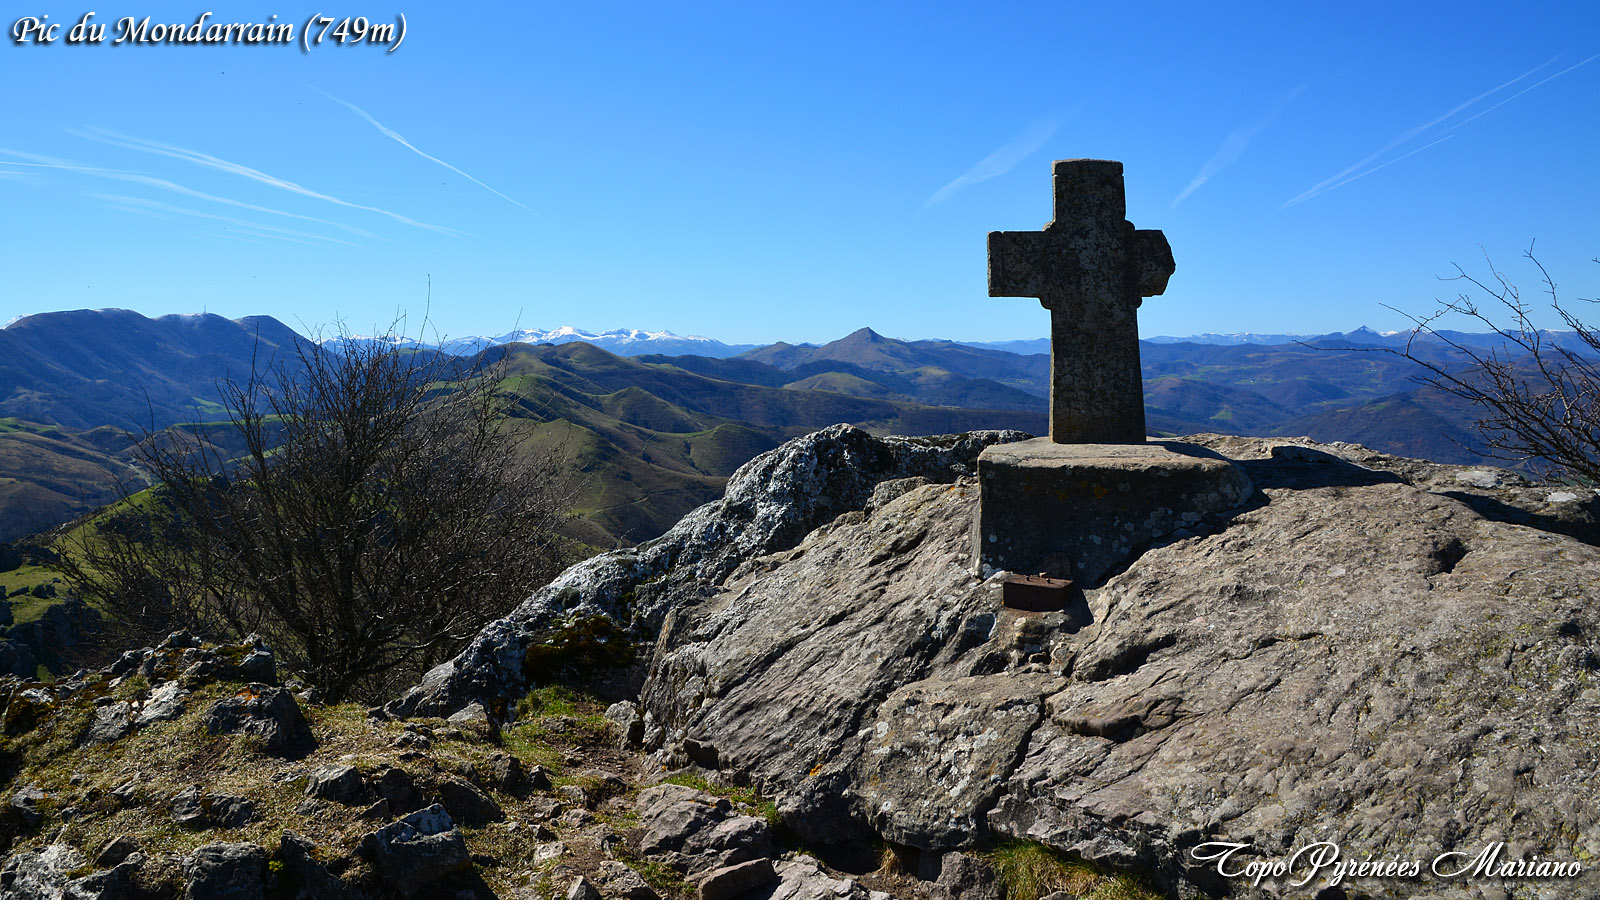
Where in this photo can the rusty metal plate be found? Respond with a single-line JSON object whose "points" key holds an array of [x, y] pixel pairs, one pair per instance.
{"points": [[1035, 593]]}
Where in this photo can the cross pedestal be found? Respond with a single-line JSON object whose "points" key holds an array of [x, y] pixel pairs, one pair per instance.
{"points": [[1095, 493]]}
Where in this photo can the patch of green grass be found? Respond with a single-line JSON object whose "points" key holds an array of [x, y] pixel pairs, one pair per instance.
{"points": [[27, 607], [741, 794], [550, 700], [558, 714], [666, 881], [11, 425], [1029, 870], [524, 741]]}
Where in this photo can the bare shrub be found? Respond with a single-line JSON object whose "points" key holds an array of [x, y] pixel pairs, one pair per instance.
{"points": [[366, 511], [1539, 395]]}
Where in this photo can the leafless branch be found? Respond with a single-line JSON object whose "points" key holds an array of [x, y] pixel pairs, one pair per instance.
{"points": [[1539, 399]]}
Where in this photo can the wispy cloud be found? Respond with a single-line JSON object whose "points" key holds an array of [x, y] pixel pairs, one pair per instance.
{"points": [[166, 185], [46, 162], [222, 165], [162, 184], [37, 161], [398, 138], [1234, 146], [1546, 80], [1000, 161], [1365, 172], [1361, 169], [142, 204]]}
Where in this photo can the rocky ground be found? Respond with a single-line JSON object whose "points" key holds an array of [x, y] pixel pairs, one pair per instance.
{"points": [[187, 770], [1391, 656]]}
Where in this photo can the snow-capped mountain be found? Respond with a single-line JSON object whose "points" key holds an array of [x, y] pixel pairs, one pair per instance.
{"points": [[621, 341], [1233, 339]]}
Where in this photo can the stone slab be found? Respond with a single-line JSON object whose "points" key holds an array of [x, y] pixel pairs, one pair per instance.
{"points": [[1081, 511]]}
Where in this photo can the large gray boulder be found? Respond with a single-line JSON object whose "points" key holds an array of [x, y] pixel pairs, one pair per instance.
{"points": [[16, 657], [771, 503], [48, 874], [417, 850], [112, 722], [39, 874], [225, 872], [1397, 656], [269, 714], [695, 832]]}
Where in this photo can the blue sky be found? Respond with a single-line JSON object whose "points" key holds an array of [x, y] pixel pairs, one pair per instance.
{"points": [[762, 172]]}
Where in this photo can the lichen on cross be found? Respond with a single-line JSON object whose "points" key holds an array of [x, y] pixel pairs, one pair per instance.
{"points": [[1091, 269]]}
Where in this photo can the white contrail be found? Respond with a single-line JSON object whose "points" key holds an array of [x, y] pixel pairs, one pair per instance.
{"points": [[1363, 174], [1000, 161], [164, 184], [1529, 88], [222, 165], [396, 136], [37, 161], [1234, 146], [1334, 181], [158, 206]]}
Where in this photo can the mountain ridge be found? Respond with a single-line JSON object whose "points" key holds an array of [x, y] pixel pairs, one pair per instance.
{"points": [[65, 375]]}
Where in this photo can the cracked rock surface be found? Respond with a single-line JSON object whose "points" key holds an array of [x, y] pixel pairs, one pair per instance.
{"points": [[1399, 656]]}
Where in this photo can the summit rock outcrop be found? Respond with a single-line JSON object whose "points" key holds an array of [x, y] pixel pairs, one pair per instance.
{"points": [[1394, 656]]}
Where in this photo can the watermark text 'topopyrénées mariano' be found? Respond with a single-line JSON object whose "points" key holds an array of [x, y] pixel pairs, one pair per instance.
{"points": [[1326, 861]]}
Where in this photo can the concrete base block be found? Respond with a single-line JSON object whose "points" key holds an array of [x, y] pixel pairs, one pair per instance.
{"points": [[1081, 511]]}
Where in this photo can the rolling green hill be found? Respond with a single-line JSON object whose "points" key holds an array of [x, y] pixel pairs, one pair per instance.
{"points": [[651, 437]]}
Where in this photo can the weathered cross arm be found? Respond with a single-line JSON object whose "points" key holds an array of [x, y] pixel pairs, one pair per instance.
{"points": [[1027, 264], [1015, 268], [1152, 263]]}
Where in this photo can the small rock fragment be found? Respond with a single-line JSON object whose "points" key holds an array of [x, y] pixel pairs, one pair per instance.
{"points": [[581, 889], [467, 804], [112, 722], [340, 784], [28, 802], [165, 703], [116, 850], [630, 724], [731, 881], [539, 779], [186, 808], [544, 853], [622, 881], [397, 787], [473, 720], [268, 713], [506, 774]]}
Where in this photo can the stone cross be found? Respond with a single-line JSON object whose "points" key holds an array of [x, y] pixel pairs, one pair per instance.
{"points": [[1091, 269]]}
